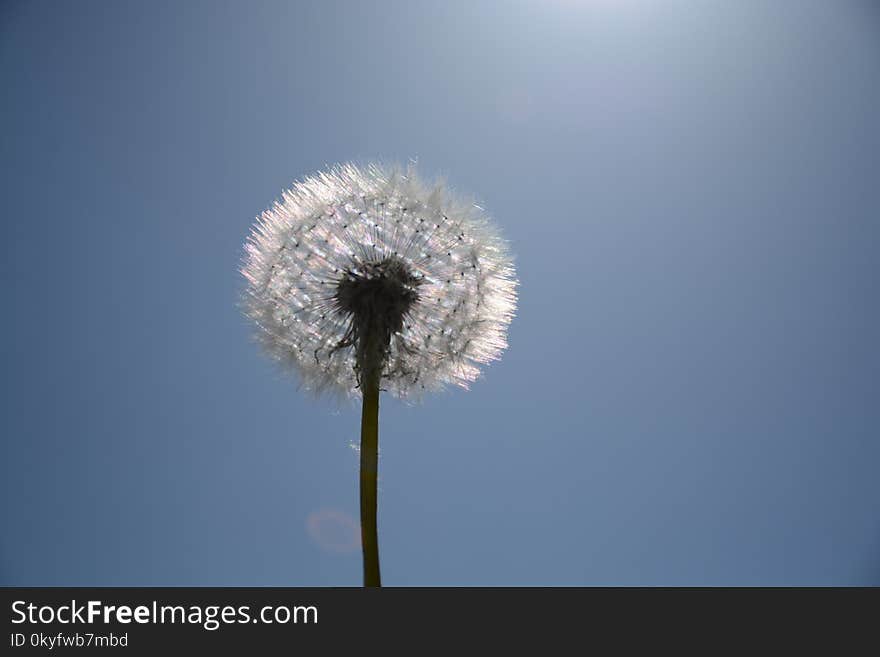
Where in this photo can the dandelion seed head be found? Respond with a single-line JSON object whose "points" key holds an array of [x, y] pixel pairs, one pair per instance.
{"points": [[356, 248]]}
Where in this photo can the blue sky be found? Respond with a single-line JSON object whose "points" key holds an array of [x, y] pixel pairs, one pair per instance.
{"points": [[690, 396]]}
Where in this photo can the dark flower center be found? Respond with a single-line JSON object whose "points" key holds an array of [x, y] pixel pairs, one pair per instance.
{"points": [[377, 296]]}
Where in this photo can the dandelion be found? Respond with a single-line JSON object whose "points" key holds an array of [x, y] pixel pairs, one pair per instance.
{"points": [[367, 278]]}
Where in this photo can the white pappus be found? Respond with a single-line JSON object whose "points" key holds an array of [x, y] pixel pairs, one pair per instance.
{"points": [[352, 246]]}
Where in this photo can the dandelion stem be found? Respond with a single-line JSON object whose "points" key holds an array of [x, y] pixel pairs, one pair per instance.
{"points": [[371, 372]]}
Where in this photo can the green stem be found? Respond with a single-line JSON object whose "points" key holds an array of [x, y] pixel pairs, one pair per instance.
{"points": [[370, 377]]}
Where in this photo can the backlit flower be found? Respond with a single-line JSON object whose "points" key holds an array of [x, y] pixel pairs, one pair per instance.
{"points": [[356, 250]]}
